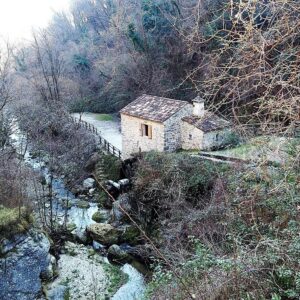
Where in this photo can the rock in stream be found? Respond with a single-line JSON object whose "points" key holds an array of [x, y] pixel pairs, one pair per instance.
{"points": [[23, 262]]}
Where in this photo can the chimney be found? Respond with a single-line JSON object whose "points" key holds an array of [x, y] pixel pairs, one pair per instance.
{"points": [[198, 103]]}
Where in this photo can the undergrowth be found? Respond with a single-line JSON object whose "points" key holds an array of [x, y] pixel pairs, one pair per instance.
{"points": [[228, 232]]}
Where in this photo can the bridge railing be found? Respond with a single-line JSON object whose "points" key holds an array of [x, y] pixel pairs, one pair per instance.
{"points": [[106, 145]]}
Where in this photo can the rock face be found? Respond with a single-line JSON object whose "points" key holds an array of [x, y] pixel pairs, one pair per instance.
{"points": [[24, 261], [103, 233]]}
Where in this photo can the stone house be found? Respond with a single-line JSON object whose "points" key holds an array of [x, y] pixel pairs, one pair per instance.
{"points": [[162, 124], [203, 129]]}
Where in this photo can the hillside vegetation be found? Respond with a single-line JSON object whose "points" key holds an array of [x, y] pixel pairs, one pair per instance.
{"points": [[214, 230], [241, 56], [226, 232]]}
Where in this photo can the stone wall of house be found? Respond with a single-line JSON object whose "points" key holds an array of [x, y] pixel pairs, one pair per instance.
{"points": [[192, 137], [173, 140], [215, 139], [133, 142]]}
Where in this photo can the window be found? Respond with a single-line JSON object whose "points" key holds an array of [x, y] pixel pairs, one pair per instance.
{"points": [[146, 130], [190, 137]]}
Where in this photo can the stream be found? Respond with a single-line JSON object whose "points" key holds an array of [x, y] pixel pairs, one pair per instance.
{"points": [[88, 269]]}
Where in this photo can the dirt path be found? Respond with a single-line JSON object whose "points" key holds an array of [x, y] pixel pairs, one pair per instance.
{"points": [[110, 130]]}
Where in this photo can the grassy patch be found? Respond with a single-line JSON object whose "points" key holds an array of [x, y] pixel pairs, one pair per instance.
{"points": [[104, 117], [116, 278], [14, 221], [271, 147]]}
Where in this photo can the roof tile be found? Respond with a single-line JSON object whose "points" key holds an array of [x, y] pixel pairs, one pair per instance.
{"points": [[153, 108], [209, 122]]}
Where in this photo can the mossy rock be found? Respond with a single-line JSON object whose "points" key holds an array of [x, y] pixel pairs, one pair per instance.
{"points": [[104, 233], [100, 216], [83, 204], [71, 227], [102, 196], [116, 277], [129, 233], [14, 221], [66, 204]]}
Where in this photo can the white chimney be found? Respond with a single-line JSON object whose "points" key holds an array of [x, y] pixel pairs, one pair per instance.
{"points": [[198, 103]]}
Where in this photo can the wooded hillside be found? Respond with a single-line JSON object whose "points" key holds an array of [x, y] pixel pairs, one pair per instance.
{"points": [[241, 56]]}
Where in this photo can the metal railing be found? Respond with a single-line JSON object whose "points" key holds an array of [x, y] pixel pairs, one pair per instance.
{"points": [[106, 145]]}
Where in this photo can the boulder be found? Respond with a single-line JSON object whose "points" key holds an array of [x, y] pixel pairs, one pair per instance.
{"points": [[82, 204], [143, 253], [115, 252], [100, 216], [97, 246], [103, 233], [22, 267], [117, 214], [89, 183], [49, 272]]}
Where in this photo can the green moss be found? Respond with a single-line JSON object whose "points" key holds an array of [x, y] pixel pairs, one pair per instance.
{"points": [[99, 217], [91, 252], [130, 234], [104, 117], [101, 198], [116, 278], [83, 204], [67, 295], [71, 227], [67, 204], [14, 221], [109, 167]]}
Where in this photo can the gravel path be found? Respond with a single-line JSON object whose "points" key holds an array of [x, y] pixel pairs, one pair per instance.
{"points": [[110, 130]]}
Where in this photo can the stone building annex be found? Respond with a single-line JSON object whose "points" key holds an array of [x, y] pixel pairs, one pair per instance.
{"points": [[162, 124]]}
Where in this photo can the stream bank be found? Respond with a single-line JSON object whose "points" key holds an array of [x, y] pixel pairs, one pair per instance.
{"points": [[72, 276]]}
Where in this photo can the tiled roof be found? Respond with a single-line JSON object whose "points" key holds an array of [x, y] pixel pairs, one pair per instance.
{"points": [[153, 108], [209, 122]]}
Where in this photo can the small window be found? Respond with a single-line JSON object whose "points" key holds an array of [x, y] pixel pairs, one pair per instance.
{"points": [[217, 137], [146, 130], [190, 137]]}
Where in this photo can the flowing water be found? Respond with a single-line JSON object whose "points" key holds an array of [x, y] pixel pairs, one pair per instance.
{"points": [[135, 287]]}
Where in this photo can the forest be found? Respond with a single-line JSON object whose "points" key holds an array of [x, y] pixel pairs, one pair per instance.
{"points": [[201, 229]]}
